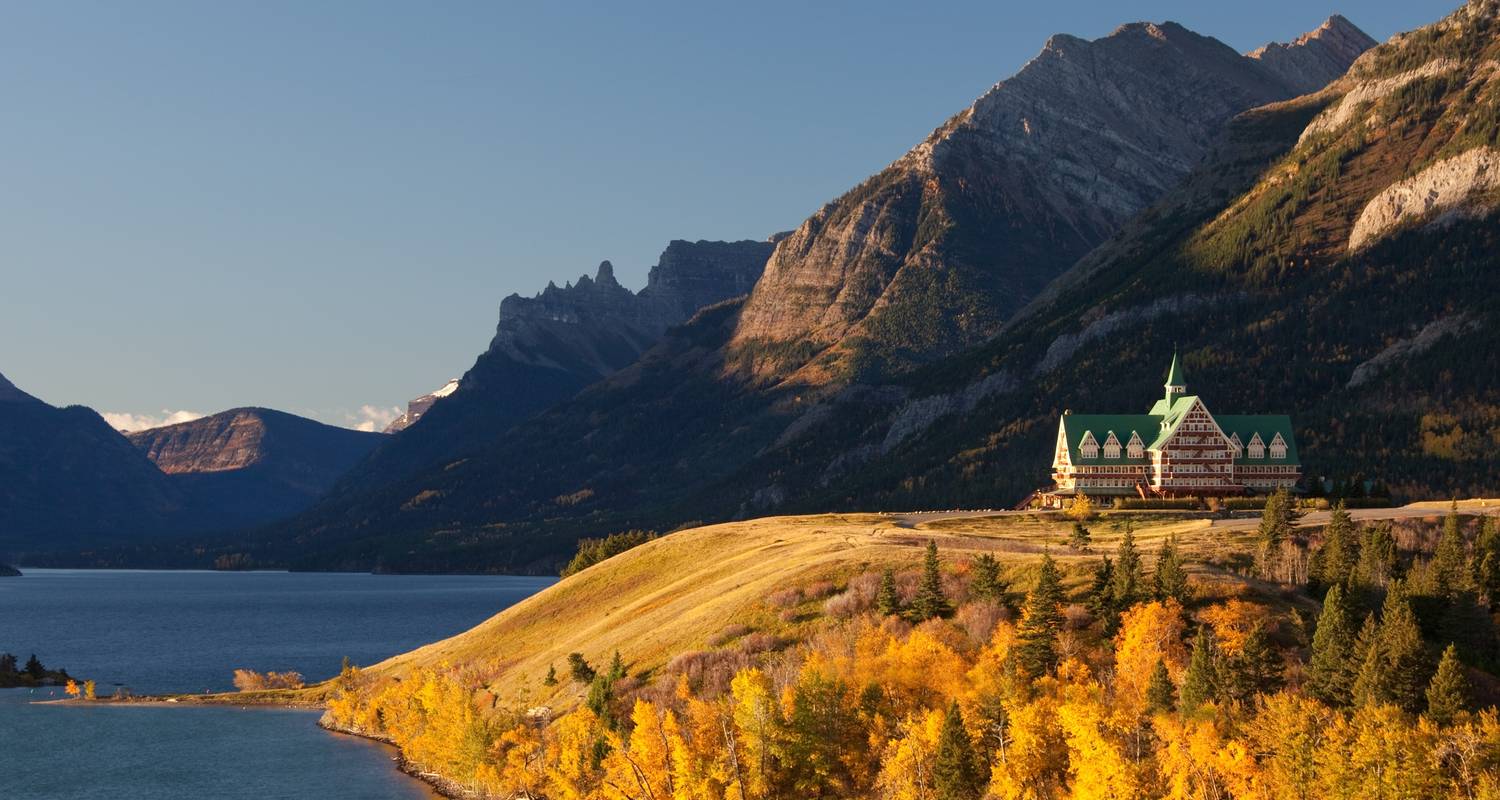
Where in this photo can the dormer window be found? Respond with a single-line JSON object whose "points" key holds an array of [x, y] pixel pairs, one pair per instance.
{"points": [[1135, 449], [1257, 447], [1089, 447], [1236, 445], [1111, 446], [1278, 447]]}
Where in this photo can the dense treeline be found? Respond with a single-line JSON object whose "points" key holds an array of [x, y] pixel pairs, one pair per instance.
{"points": [[949, 684]]}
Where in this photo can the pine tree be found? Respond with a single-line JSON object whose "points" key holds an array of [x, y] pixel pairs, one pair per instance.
{"points": [[1450, 559], [930, 602], [34, 667], [956, 773], [987, 583], [1401, 644], [551, 679], [1372, 685], [1170, 579], [1255, 669], [579, 669], [1041, 620], [7, 664], [616, 668], [1160, 693], [1339, 553], [887, 599], [1127, 581], [1448, 693], [1329, 676], [1277, 521], [1198, 685], [599, 700], [1080, 538], [1101, 600], [1377, 557]]}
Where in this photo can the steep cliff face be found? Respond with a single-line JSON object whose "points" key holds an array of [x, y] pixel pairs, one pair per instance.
{"points": [[249, 466], [549, 347], [935, 252]]}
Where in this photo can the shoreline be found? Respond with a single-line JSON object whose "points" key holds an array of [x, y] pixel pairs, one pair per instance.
{"points": [[440, 786]]}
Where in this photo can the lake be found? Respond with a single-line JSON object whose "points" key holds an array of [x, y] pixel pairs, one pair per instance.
{"points": [[162, 631]]}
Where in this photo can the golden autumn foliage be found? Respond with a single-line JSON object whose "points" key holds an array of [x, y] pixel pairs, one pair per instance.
{"points": [[857, 706]]}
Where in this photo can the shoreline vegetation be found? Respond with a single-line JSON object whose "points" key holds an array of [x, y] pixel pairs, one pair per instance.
{"points": [[7, 571], [30, 676]]}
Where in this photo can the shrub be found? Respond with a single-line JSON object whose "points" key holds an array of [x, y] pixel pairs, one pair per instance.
{"points": [[248, 680], [1161, 503], [728, 634], [785, 598]]}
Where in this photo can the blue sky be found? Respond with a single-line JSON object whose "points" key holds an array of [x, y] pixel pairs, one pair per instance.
{"points": [[317, 206]]}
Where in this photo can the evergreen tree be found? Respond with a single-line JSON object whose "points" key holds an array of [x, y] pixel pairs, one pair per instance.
{"points": [[1160, 693], [1255, 669], [551, 679], [34, 667], [1466, 623], [599, 698], [1127, 583], [887, 599], [1198, 685], [1278, 520], [1339, 554], [1489, 580], [1101, 600], [1377, 557], [7, 664], [956, 773], [579, 669], [1450, 559], [1372, 685], [1170, 579], [616, 668], [1402, 646], [1080, 538], [930, 602], [1448, 693], [1041, 620], [987, 583], [1329, 675]]}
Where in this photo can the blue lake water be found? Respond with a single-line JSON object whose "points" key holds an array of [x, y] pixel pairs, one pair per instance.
{"points": [[188, 631]]}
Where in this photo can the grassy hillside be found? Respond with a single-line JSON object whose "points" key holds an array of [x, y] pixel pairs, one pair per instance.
{"points": [[769, 643]]}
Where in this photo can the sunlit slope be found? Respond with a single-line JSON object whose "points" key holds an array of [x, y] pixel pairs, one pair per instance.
{"points": [[672, 595]]}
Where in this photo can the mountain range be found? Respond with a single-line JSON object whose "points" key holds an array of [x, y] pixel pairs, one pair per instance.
{"points": [[1310, 225], [903, 274]]}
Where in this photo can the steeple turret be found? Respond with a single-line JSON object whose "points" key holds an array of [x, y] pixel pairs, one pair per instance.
{"points": [[1176, 384]]}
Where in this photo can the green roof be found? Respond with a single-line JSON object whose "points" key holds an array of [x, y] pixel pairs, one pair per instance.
{"points": [[1267, 425], [1174, 375], [1076, 426], [1158, 426]]}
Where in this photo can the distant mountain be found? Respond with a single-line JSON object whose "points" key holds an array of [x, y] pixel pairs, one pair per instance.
{"points": [[935, 252], [67, 477], [548, 347], [419, 406], [248, 466], [789, 396]]}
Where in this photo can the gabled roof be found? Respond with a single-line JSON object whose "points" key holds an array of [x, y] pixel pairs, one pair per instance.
{"points": [[1172, 414], [1268, 426], [1076, 426]]}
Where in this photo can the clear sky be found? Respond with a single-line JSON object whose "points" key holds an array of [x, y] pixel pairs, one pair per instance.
{"points": [[317, 205]]}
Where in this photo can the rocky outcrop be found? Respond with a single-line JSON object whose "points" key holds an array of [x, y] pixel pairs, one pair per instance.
{"points": [[1402, 350], [419, 406], [936, 251], [1316, 58], [1450, 185]]}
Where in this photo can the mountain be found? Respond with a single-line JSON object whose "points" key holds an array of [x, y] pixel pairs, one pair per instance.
{"points": [[67, 478], [548, 347], [932, 255], [419, 406], [935, 252], [247, 466]]}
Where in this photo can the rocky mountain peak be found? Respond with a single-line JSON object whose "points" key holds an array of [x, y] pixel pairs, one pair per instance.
{"points": [[933, 253], [1316, 58]]}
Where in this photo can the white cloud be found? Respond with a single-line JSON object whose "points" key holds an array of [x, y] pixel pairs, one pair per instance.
{"points": [[372, 418], [126, 421]]}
